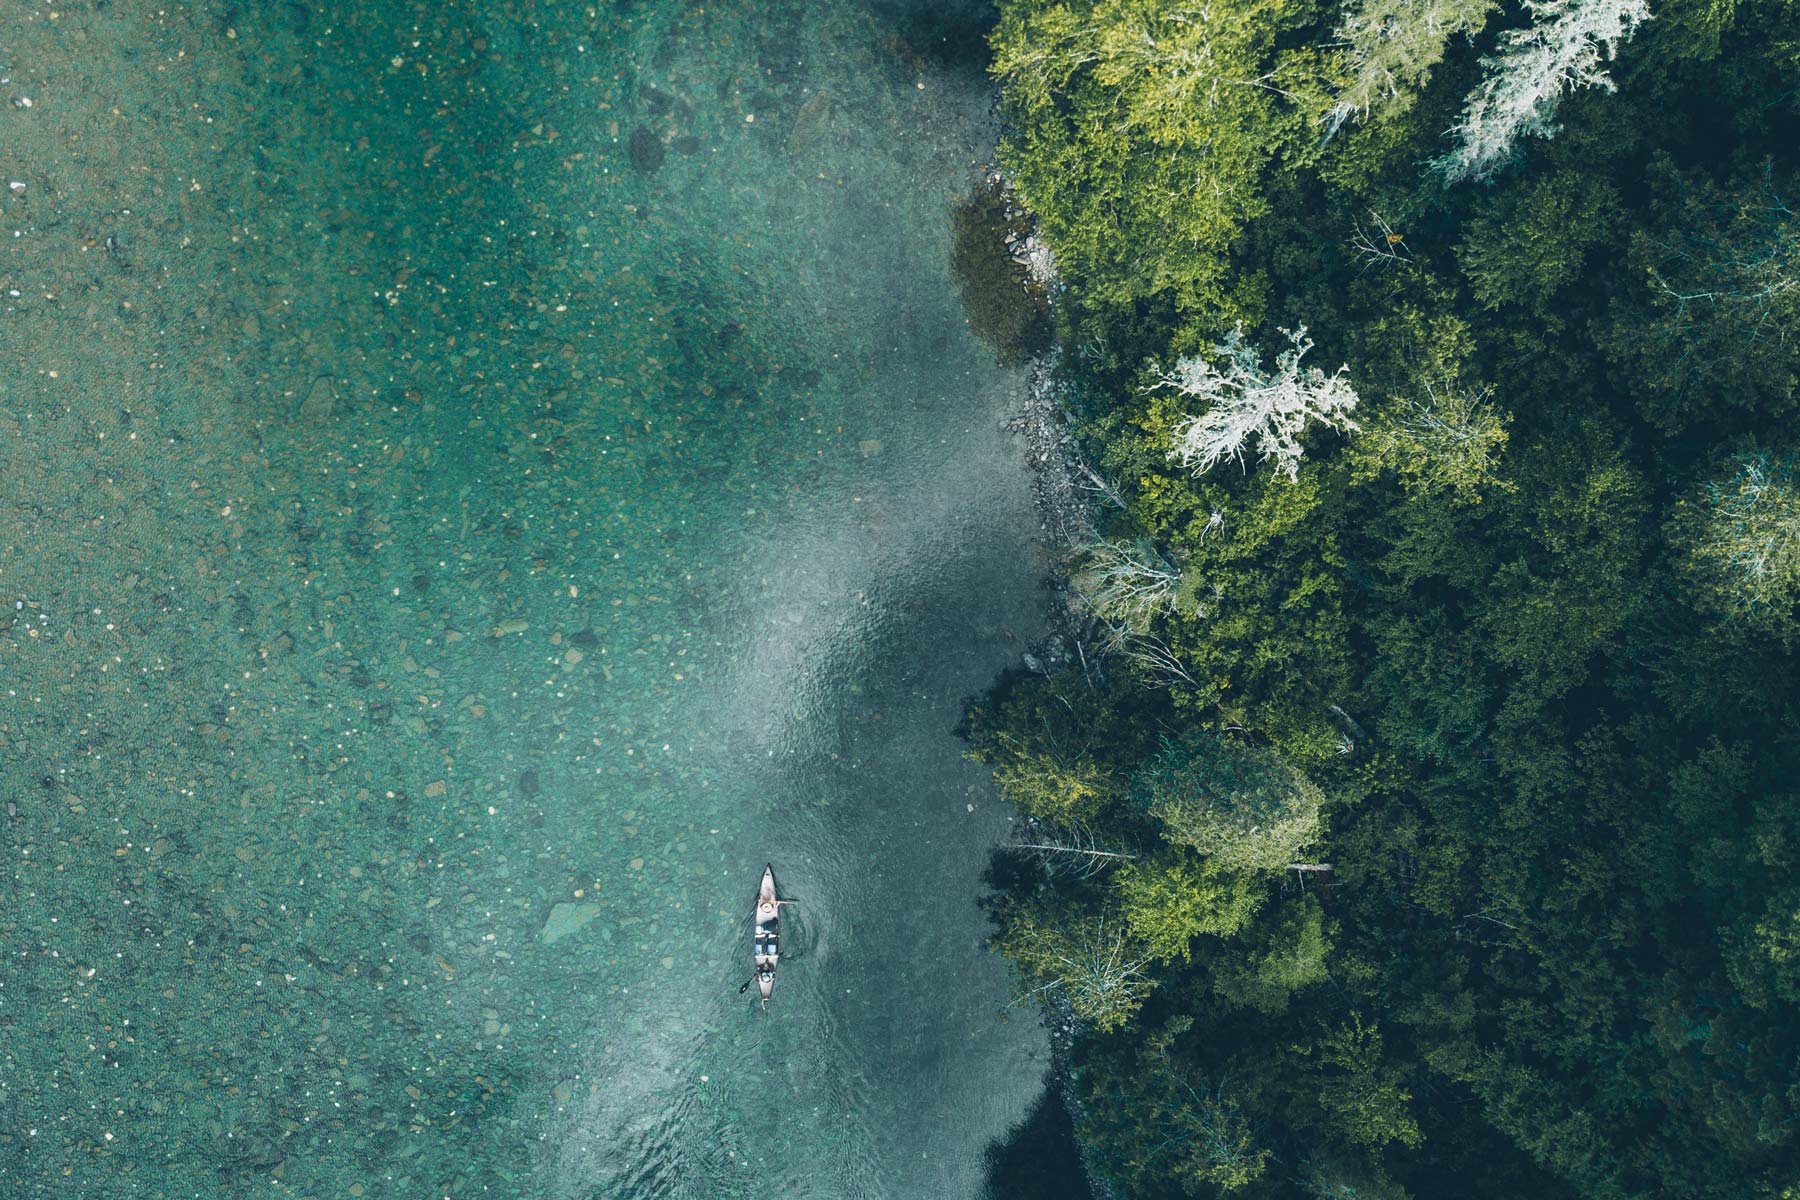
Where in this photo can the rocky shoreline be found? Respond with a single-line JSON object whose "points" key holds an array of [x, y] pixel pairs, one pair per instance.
{"points": [[1063, 486], [1066, 518], [1064, 490]]}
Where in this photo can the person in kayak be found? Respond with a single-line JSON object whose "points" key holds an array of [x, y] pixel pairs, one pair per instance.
{"points": [[767, 945], [766, 948]]}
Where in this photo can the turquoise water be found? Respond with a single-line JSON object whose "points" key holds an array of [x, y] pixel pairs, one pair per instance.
{"points": [[480, 480]]}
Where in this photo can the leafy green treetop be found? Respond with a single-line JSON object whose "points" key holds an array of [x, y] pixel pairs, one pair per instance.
{"points": [[1287, 954], [1327, 1178], [1446, 441], [1041, 782], [1741, 534], [1705, 335], [1142, 130], [1094, 960], [1243, 806], [1175, 897], [1363, 1090]]}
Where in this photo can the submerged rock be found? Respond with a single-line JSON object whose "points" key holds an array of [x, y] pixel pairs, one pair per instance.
{"points": [[320, 397], [810, 124], [646, 149], [1006, 304], [565, 919]]}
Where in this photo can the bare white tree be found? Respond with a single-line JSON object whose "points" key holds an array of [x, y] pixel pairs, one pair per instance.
{"points": [[1562, 49], [1390, 47], [1160, 666], [1449, 419], [1244, 401], [1095, 483], [1377, 245], [1126, 584]]}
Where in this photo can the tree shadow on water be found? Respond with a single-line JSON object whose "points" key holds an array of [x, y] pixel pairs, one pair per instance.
{"points": [[1037, 1159], [950, 33], [1010, 874]]}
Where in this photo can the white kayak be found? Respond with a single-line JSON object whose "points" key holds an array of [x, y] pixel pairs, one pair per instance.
{"points": [[767, 950]]}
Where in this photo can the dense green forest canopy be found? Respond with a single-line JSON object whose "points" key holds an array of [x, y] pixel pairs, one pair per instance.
{"points": [[1426, 818]]}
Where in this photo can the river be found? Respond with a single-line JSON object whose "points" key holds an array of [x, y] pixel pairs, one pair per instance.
{"points": [[481, 480]]}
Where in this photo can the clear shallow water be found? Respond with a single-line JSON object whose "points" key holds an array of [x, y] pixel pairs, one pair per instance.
{"points": [[457, 464]]}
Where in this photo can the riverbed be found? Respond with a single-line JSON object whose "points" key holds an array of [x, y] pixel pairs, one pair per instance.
{"points": [[482, 480]]}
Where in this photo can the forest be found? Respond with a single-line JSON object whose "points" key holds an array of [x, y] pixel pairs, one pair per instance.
{"points": [[1419, 812]]}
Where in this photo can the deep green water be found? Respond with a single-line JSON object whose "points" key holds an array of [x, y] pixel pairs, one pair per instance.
{"points": [[465, 459]]}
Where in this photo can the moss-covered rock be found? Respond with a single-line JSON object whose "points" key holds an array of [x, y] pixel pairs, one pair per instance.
{"points": [[1006, 308]]}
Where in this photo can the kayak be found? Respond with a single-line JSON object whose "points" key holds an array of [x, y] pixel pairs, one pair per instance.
{"points": [[767, 950]]}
